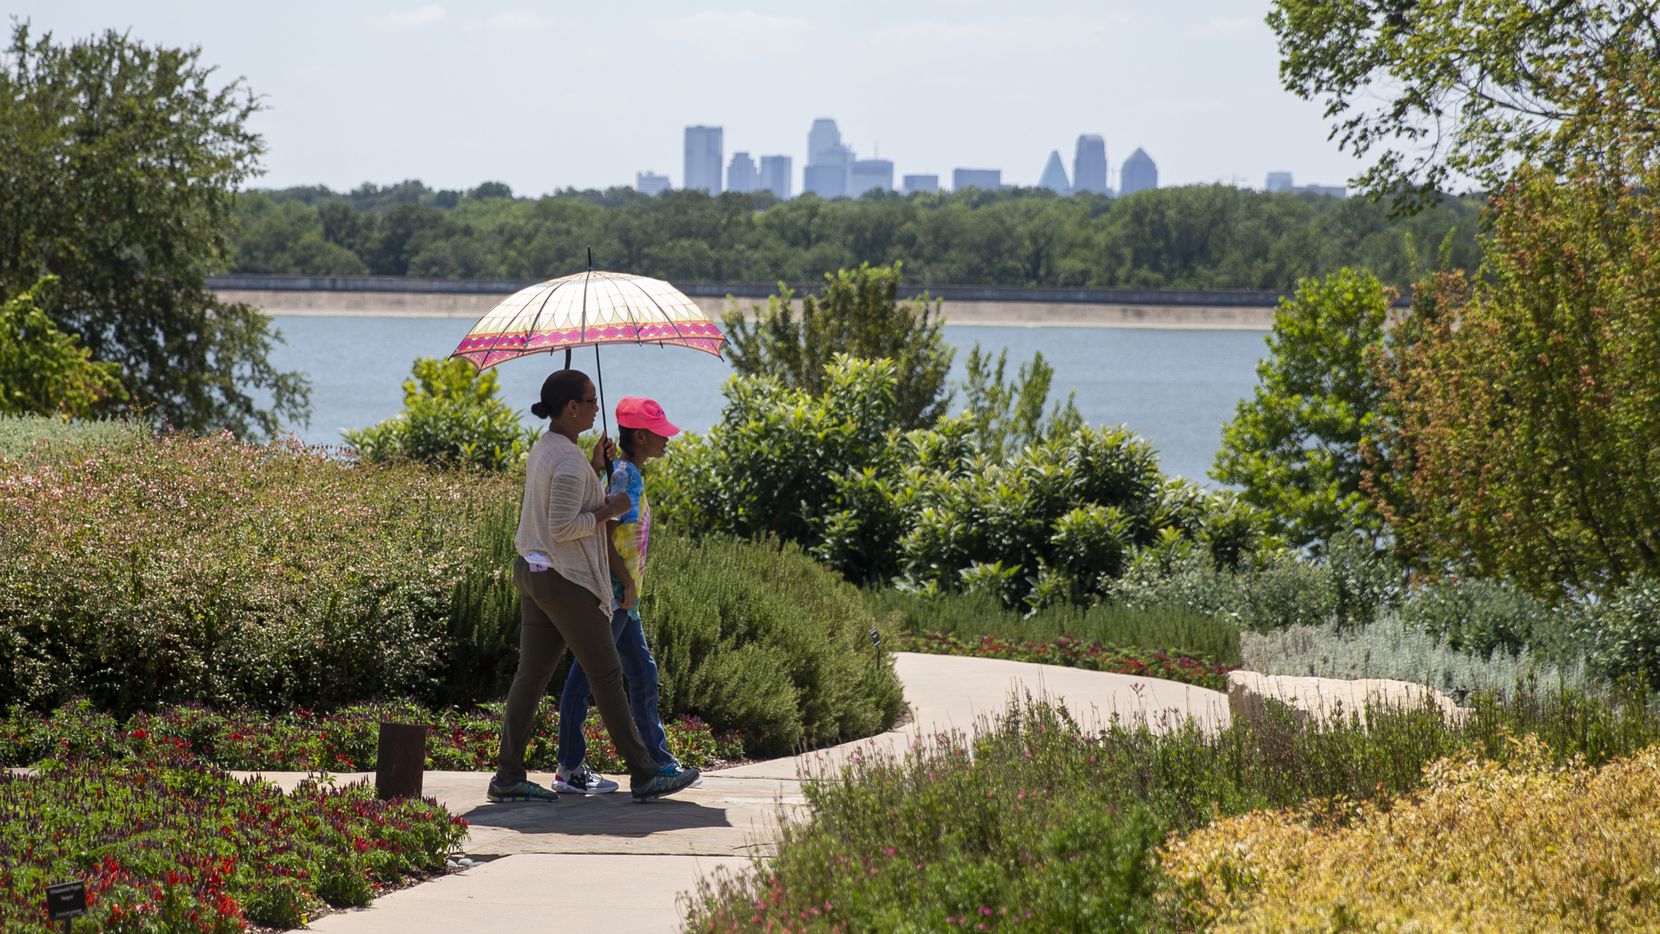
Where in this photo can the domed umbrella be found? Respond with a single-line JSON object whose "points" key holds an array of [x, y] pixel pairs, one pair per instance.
{"points": [[588, 309]]}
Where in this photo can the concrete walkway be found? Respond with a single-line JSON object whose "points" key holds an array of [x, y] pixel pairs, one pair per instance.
{"points": [[607, 864]]}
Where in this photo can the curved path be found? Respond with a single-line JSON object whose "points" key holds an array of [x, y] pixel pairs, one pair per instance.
{"points": [[606, 864]]}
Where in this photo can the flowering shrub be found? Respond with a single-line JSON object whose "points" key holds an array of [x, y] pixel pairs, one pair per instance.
{"points": [[1524, 845], [168, 846], [307, 740], [1073, 653]]}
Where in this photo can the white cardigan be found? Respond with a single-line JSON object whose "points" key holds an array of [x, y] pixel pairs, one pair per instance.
{"points": [[556, 517]]}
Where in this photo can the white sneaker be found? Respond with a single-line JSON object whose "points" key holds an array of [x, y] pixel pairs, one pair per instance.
{"points": [[583, 781]]}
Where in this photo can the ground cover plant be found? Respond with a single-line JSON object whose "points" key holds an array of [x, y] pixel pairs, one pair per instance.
{"points": [[1040, 822], [166, 844], [341, 740]]}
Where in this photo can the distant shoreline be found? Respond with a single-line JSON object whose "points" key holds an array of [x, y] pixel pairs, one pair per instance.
{"points": [[1012, 314]]}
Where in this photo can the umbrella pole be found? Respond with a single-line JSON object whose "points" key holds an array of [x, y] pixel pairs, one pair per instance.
{"points": [[605, 420], [567, 358]]}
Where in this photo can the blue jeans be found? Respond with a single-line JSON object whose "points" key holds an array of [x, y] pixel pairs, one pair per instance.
{"points": [[640, 668]]}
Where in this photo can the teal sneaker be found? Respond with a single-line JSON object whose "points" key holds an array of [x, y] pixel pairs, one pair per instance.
{"points": [[661, 784], [523, 791]]}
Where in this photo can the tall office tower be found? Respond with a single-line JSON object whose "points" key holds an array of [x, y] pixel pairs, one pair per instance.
{"points": [[822, 138], [650, 183], [1279, 181], [775, 176], [1054, 175], [986, 179], [1089, 165], [1138, 174], [929, 184], [703, 158], [829, 172], [741, 175], [871, 175]]}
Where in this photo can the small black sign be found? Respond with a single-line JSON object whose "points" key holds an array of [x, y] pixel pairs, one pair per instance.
{"points": [[66, 900]]}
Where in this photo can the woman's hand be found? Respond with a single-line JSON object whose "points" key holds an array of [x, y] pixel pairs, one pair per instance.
{"points": [[615, 505], [605, 450], [630, 596]]}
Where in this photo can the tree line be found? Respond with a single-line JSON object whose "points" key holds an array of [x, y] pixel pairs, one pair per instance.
{"points": [[1200, 237]]}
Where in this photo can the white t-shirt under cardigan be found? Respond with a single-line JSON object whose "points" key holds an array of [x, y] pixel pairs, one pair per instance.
{"points": [[556, 518]]}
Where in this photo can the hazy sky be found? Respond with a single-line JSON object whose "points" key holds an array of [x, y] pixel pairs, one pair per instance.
{"points": [[544, 96]]}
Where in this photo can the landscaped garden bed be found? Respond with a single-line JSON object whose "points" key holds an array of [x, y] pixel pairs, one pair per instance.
{"points": [[169, 844], [1045, 824]]}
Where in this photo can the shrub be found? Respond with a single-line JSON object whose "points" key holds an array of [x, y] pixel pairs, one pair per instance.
{"points": [[834, 473], [452, 417], [1464, 853], [45, 371], [1486, 616], [1624, 632], [759, 637]]}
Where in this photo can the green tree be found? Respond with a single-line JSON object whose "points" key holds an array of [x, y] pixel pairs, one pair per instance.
{"points": [[453, 416], [1296, 447], [44, 371], [1435, 89], [859, 314], [118, 162], [1523, 399]]}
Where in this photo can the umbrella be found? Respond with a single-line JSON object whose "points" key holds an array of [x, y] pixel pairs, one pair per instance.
{"points": [[588, 309]]}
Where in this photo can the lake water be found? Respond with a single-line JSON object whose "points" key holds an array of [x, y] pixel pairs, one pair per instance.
{"points": [[1174, 387]]}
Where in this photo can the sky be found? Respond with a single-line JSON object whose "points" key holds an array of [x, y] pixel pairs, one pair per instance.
{"points": [[546, 96]]}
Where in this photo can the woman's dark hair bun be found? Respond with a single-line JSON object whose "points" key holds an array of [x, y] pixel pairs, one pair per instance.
{"points": [[561, 388]]}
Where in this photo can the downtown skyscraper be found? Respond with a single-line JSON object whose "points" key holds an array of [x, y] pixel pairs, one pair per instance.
{"points": [[1089, 165], [704, 149]]}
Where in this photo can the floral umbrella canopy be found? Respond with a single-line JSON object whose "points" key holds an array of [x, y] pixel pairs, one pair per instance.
{"points": [[588, 309]]}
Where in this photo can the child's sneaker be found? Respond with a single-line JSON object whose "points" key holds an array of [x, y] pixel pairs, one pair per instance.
{"points": [[670, 771], [583, 781], [661, 784], [523, 791]]}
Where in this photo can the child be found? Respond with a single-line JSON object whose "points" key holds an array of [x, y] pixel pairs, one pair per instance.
{"points": [[644, 433]]}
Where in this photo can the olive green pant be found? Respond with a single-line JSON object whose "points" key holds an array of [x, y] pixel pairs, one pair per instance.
{"points": [[555, 613]]}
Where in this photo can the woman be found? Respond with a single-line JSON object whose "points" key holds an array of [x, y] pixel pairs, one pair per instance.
{"points": [[563, 575]]}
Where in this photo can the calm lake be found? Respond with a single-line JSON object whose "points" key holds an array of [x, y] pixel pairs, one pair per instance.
{"points": [[1174, 387]]}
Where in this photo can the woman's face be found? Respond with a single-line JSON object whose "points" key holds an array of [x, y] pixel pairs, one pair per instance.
{"points": [[585, 409]]}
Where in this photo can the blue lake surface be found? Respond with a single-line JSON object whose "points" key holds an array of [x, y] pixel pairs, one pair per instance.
{"points": [[1174, 387]]}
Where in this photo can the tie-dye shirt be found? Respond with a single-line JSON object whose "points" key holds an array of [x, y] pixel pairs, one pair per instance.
{"points": [[633, 528]]}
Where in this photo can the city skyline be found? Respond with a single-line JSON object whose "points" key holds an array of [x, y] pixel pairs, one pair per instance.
{"points": [[355, 91], [833, 170]]}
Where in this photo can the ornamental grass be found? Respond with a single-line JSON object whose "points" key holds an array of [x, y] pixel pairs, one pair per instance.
{"points": [[1486, 845]]}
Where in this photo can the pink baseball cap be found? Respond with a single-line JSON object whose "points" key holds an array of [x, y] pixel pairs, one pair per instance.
{"points": [[637, 412]]}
